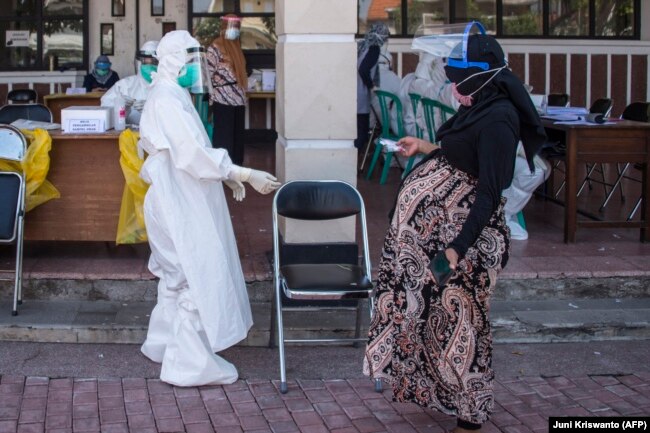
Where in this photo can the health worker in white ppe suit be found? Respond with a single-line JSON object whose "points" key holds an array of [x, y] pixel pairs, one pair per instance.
{"points": [[202, 305], [132, 91]]}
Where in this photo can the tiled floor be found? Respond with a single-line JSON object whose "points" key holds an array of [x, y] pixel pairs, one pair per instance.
{"points": [[523, 404], [597, 252]]}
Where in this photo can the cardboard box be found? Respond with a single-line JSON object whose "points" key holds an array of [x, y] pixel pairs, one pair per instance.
{"points": [[90, 119], [268, 80]]}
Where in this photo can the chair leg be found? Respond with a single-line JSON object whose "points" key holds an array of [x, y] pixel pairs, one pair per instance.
{"points": [[283, 372], [636, 208], [272, 328], [375, 158], [357, 327], [408, 167], [384, 173], [365, 153], [18, 288], [619, 179]]}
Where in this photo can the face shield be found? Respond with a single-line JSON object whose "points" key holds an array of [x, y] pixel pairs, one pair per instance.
{"points": [[146, 64], [194, 74], [448, 41], [231, 26], [102, 68]]}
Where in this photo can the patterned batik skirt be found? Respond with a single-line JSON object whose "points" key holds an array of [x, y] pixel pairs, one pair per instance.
{"points": [[434, 345]]}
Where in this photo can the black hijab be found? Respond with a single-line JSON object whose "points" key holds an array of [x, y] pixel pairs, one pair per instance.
{"points": [[503, 85]]}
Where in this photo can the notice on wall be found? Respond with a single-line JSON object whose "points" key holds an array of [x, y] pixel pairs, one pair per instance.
{"points": [[17, 38]]}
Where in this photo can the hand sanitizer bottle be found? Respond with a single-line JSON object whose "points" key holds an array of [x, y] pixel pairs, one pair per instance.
{"points": [[119, 112]]}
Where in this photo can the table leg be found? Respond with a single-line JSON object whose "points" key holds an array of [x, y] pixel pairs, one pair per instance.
{"points": [[645, 202], [570, 210]]}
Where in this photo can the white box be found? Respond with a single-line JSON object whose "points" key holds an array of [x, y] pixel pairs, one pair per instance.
{"points": [[268, 80], [86, 119]]}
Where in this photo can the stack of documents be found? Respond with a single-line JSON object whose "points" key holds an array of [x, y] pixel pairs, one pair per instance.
{"points": [[565, 113]]}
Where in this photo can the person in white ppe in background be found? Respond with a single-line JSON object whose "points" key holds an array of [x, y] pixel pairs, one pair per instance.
{"points": [[202, 305], [132, 91], [524, 183]]}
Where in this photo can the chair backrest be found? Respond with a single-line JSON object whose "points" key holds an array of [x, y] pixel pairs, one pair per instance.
{"points": [[13, 143], [12, 112], [318, 200], [10, 197], [430, 106], [22, 96], [415, 101], [557, 99], [601, 106], [639, 111], [386, 99]]}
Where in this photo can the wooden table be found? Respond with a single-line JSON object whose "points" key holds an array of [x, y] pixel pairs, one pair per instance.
{"points": [[58, 101], [85, 168], [268, 115], [624, 141]]}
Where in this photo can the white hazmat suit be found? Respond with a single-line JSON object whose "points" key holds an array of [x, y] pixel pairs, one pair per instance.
{"points": [[132, 90], [202, 303]]}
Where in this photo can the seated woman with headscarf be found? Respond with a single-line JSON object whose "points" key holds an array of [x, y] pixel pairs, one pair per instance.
{"points": [[429, 339], [102, 77]]}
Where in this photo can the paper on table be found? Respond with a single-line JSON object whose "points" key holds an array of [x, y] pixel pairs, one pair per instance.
{"points": [[33, 124], [581, 122]]}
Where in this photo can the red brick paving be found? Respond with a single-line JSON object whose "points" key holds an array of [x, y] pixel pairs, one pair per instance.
{"points": [[42, 405]]}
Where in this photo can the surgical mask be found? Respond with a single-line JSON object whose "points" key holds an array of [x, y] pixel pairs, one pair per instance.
{"points": [[189, 74], [231, 34], [101, 72], [146, 71], [194, 75], [468, 100]]}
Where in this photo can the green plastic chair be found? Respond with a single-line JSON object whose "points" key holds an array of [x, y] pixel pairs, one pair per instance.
{"points": [[415, 101], [385, 99], [430, 106], [203, 108]]}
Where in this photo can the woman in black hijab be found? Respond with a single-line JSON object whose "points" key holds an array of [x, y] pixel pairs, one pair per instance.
{"points": [[432, 342]]}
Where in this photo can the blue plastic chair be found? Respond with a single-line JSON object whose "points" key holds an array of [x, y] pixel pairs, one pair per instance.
{"points": [[385, 101]]}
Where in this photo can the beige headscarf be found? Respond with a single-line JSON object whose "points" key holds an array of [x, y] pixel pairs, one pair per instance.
{"points": [[232, 54]]}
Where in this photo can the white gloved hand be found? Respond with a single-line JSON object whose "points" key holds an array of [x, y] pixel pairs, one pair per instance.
{"points": [[261, 181], [238, 189], [139, 104]]}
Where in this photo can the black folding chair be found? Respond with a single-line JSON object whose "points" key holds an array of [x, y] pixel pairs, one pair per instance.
{"points": [[12, 112], [22, 96], [314, 283], [13, 146]]}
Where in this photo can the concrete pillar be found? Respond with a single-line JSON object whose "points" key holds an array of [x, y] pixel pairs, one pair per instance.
{"points": [[316, 59]]}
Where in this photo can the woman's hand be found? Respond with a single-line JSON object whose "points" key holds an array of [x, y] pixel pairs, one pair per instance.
{"points": [[412, 146], [452, 256]]}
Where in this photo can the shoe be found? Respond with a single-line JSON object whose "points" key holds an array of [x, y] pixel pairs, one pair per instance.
{"points": [[517, 232]]}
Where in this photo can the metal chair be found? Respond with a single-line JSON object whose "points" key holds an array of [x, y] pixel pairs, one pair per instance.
{"points": [[430, 106], [386, 100], [13, 147], [312, 284], [12, 112], [22, 96]]}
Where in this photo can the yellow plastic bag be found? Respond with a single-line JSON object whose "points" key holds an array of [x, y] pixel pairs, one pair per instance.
{"points": [[35, 166], [131, 228]]}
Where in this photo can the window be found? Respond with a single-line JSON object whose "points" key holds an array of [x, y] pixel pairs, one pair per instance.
{"points": [[613, 19], [257, 26], [37, 34]]}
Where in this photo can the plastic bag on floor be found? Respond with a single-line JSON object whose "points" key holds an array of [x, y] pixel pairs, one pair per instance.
{"points": [[130, 227], [35, 166]]}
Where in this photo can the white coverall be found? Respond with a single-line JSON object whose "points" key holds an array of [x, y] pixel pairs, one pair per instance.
{"points": [[134, 88], [202, 304], [524, 183]]}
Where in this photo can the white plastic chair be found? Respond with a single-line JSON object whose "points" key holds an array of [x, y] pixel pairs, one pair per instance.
{"points": [[13, 147]]}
